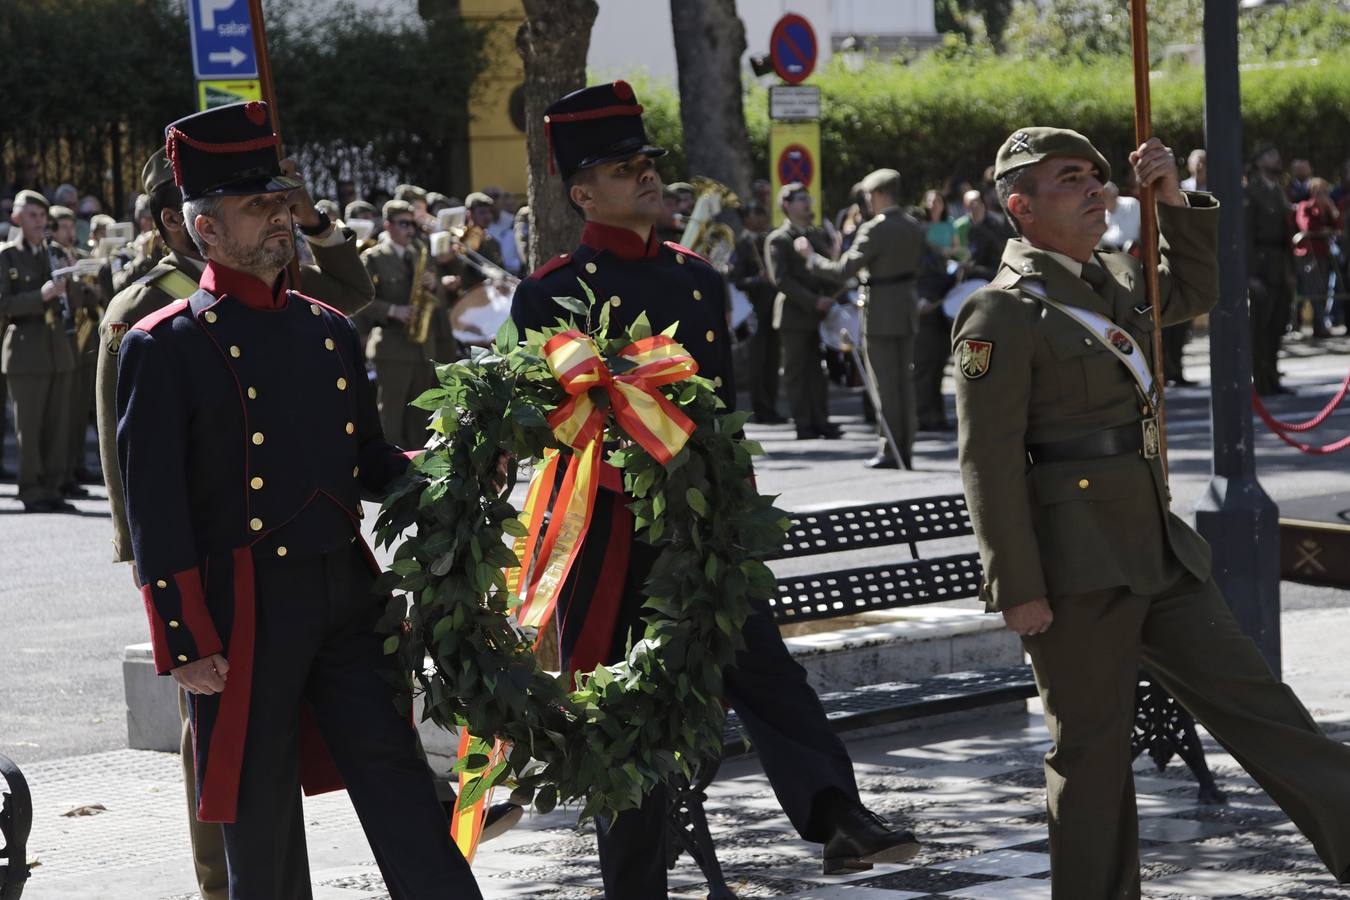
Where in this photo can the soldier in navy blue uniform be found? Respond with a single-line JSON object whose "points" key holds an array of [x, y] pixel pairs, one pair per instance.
{"points": [[601, 151], [246, 434]]}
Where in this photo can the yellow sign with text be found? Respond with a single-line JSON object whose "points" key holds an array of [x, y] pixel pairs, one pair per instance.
{"points": [[211, 94], [794, 156]]}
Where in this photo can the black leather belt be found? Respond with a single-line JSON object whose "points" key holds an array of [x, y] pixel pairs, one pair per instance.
{"points": [[1111, 442], [898, 279]]}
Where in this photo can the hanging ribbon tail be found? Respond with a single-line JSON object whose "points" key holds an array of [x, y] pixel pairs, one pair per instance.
{"points": [[569, 521], [532, 517], [466, 822]]}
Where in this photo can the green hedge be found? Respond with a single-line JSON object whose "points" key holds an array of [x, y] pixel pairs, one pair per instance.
{"points": [[937, 118]]}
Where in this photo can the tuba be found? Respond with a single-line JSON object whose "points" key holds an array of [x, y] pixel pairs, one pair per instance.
{"points": [[703, 234], [423, 303]]}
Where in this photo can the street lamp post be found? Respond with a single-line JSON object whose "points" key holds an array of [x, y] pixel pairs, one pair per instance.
{"points": [[1235, 515]]}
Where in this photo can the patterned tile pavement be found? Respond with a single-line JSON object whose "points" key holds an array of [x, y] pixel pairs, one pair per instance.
{"points": [[973, 792]]}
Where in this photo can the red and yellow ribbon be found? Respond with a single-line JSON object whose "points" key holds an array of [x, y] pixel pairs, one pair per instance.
{"points": [[646, 416]]}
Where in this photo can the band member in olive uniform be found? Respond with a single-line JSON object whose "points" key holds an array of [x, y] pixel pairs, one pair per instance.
{"points": [[35, 356], [1081, 554], [403, 368], [86, 302], [802, 301], [887, 248], [341, 283], [601, 151], [751, 275], [1270, 231], [246, 434]]}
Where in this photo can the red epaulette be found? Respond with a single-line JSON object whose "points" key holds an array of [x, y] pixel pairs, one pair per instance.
{"points": [[159, 315], [680, 248], [552, 265]]}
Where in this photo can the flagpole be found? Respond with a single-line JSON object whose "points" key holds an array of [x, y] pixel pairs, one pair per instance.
{"points": [[1148, 213], [255, 13]]}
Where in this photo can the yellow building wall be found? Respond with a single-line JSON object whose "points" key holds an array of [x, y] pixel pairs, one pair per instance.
{"points": [[497, 151]]}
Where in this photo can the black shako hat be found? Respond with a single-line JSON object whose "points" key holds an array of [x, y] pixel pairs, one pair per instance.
{"points": [[228, 150], [595, 125]]}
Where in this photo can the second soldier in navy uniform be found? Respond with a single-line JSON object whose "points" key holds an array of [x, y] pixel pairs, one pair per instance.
{"points": [[246, 434], [601, 151]]}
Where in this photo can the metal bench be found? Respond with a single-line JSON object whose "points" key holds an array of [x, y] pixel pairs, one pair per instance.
{"points": [[1162, 728], [16, 821]]}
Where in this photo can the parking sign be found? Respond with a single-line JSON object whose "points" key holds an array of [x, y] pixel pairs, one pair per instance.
{"points": [[222, 39]]}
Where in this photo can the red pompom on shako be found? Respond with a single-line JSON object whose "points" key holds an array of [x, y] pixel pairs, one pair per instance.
{"points": [[256, 112]]}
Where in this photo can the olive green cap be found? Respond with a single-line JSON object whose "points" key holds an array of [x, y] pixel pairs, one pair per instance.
{"points": [[477, 198], [396, 206], [328, 207], [885, 180], [25, 197], [157, 171], [57, 213], [1028, 146], [101, 220], [409, 193], [681, 187], [358, 206]]}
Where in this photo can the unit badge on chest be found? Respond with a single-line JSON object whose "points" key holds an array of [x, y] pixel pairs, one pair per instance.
{"points": [[1120, 340], [973, 358]]}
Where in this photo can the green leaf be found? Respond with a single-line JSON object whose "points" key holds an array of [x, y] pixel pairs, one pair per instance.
{"points": [[694, 497], [508, 336], [515, 527], [572, 304], [641, 327], [391, 645], [547, 799]]}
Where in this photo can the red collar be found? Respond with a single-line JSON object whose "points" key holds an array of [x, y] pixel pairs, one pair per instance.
{"points": [[622, 242], [219, 279]]}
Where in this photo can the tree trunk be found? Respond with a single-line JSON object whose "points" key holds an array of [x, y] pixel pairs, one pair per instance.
{"points": [[709, 43], [552, 41]]}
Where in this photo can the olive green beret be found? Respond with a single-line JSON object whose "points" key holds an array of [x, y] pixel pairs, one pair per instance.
{"points": [[1028, 146], [477, 198], [24, 198], [356, 207], [885, 180], [409, 192], [57, 213], [396, 206], [157, 172]]}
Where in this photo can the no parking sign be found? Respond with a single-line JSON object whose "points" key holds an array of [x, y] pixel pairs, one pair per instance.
{"points": [[794, 149]]}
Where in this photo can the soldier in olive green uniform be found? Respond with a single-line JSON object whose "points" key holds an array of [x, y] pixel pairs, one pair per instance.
{"points": [[459, 275], [887, 248], [1269, 266], [339, 280], [86, 300], [1070, 504], [403, 368], [36, 357], [802, 301]]}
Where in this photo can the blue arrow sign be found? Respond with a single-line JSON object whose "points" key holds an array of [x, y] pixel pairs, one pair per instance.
{"points": [[222, 39]]}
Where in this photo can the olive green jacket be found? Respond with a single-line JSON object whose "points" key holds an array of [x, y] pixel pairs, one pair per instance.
{"points": [[35, 341], [391, 275], [794, 307], [1065, 528], [338, 279], [888, 246]]}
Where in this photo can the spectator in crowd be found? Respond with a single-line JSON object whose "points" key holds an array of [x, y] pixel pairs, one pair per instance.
{"points": [[503, 229], [1122, 219], [750, 275], [1197, 163], [522, 234], [1268, 219], [938, 230], [1318, 221], [984, 236], [762, 192], [801, 302], [1300, 171], [849, 219]]}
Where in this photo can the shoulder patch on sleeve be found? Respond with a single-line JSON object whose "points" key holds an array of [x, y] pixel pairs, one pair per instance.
{"points": [[552, 265], [973, 358], [168, 312], [113, 334], [680, 248]]}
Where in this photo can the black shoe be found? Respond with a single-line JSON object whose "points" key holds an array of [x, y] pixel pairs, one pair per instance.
{"points": [[500, 818], [6, 474], [807, 434], [61, 506], [39, 506], [830, 432], [862, 838], [882, 461], [72, 491], [771, 419], [1287, 391]]}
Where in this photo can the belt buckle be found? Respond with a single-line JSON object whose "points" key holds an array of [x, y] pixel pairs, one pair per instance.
{"points": [[1152, 441]]}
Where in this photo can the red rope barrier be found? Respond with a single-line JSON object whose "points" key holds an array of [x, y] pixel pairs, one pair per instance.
{"points": [[1282, 429]]}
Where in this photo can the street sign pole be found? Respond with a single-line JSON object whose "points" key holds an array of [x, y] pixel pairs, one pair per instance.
{"points": [[794, 113], [1235, 515]]}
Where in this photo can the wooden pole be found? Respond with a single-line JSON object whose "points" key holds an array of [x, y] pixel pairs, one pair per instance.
{"points": [[255, 13], [1148, 213]]}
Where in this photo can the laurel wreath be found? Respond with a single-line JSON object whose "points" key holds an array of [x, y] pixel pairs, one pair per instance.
{"points": [[609, 737]]}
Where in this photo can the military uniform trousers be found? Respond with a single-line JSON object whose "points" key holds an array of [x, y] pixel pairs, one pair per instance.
{"points": [[42, 428], [398, 383], [766, 355], [804, 760], [1270, 308], [316, 644], [1086, 668], [804, 378], [932, 349], [890, 365], [208, 842], [81, 409]]}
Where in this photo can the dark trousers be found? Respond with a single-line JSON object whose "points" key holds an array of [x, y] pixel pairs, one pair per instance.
{"points": [[804, 760], [1271, 302], [932, 349], [42, 427], [766, 356], [890, 364], [1086, 669], [1174, 338], [398, 383], [316, 643], [804, 379]]}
